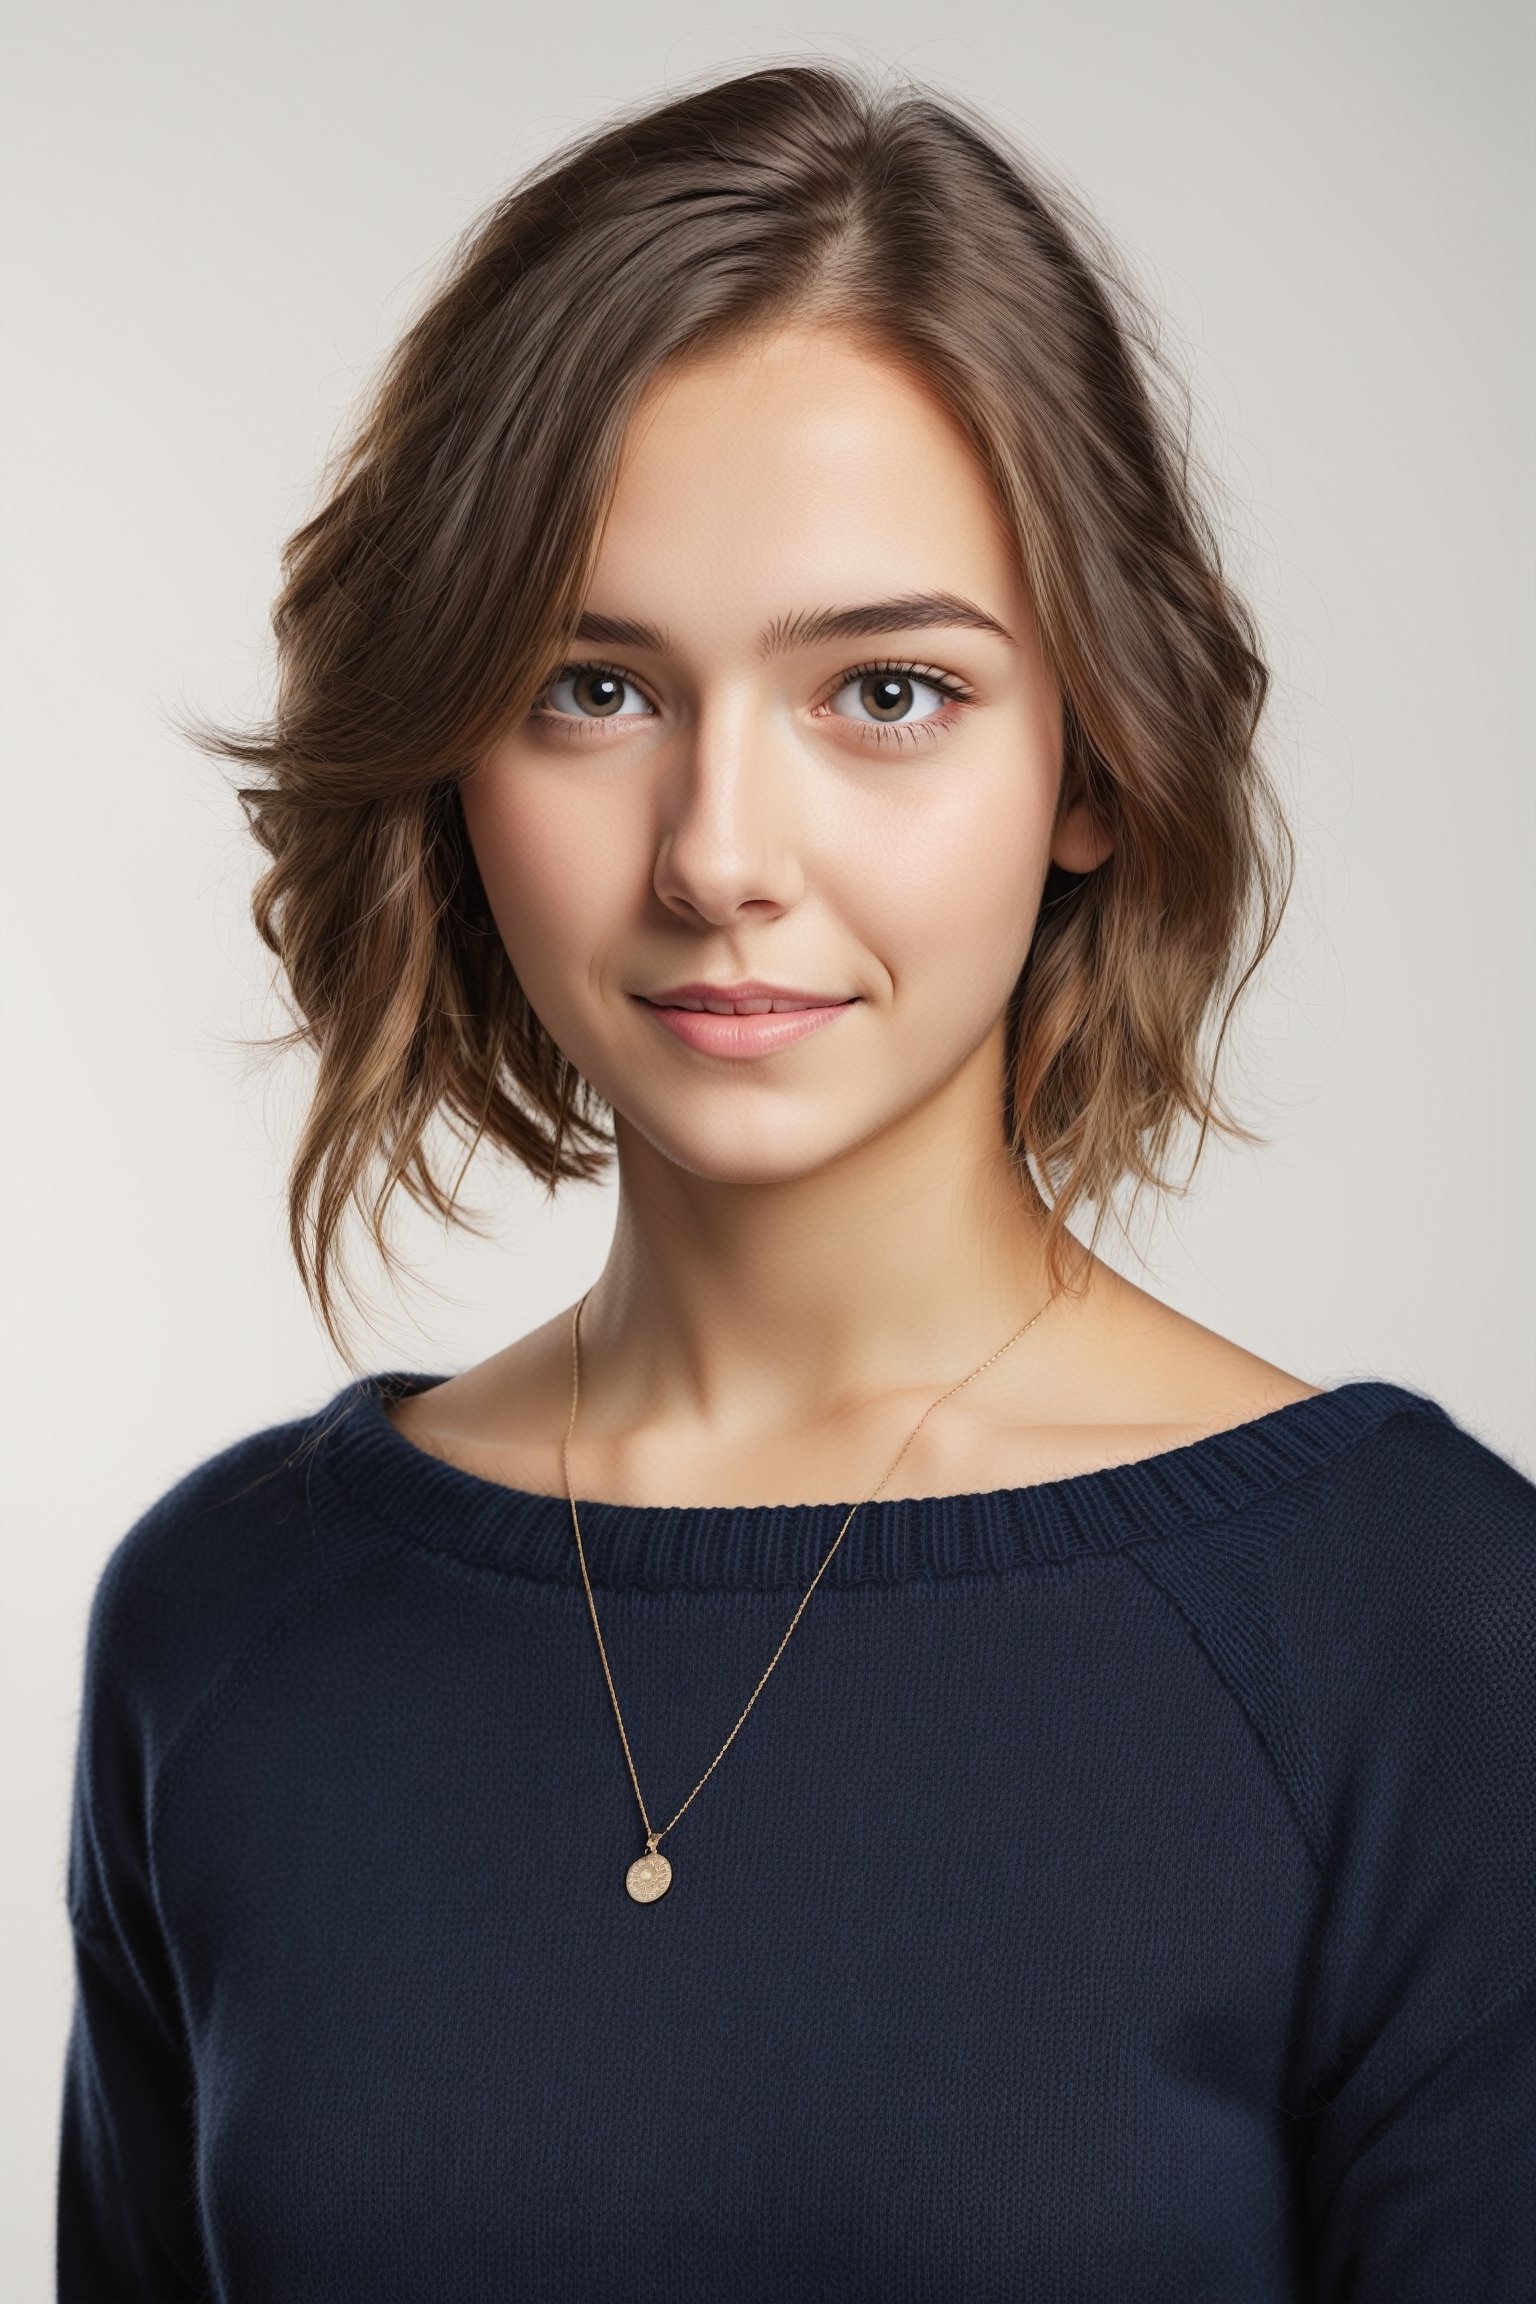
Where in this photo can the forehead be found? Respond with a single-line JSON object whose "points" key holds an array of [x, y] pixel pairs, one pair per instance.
{"points": [[805, 463]]}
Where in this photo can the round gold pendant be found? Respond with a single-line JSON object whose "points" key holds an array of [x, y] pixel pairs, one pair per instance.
{"points": [[648, 1877]]}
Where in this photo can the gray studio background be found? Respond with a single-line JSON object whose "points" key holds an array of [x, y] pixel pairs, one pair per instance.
{"points": [[217, 219]]}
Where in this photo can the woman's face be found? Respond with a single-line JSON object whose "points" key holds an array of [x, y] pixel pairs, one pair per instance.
{"points": [[805, 738]]}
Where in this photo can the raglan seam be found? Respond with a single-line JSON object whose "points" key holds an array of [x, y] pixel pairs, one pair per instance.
{"points": [[103, 1664], [319, 1572], [308, 1584], [1249, 1711]]}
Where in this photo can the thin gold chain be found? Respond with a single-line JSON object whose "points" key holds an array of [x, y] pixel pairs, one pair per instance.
{"points": [[652, 1836]]}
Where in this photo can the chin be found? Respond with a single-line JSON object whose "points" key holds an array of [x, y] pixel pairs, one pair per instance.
{"points": [[749, 1153]]}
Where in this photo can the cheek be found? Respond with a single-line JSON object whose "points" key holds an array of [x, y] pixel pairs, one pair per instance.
{"points": [[554, 888], [947, 893]]}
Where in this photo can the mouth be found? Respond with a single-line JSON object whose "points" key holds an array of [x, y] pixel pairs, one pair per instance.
{"points": [[752, 998], [747, 1007], [742, 1022]]}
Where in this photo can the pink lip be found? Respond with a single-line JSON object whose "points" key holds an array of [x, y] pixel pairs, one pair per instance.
{"points": [[750, 988], [737, 1036]]}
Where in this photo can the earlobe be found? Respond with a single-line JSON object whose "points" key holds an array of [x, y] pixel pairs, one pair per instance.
{"points": [[1080, 841]]}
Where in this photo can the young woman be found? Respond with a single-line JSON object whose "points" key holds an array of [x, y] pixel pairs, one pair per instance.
{"points": [[868, 1758]]}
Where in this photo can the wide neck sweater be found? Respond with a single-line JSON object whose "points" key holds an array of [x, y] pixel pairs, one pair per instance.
{"points": [[1122, 1889]]}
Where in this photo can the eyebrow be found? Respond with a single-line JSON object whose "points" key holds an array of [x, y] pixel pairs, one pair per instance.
{"points": [[812, 627]]}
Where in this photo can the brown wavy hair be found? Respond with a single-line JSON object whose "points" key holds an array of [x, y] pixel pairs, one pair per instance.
{"points": [[425, 602]]}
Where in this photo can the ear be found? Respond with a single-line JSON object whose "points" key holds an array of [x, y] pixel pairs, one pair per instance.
{"points": [[1079, 842]]}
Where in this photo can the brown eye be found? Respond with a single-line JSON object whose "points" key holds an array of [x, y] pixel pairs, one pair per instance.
{"points": [[886, 695], [598, 692], [594, 692], [893, 695]]}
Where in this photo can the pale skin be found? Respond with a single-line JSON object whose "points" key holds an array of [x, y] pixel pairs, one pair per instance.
{"points": [[811, 1244]]}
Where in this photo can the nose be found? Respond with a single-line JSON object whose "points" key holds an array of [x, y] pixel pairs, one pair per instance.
{"points": [[729, 829]]}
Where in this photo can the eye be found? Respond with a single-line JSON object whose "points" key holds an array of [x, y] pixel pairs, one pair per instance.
{"points": [[904, 699], [591, 692]]}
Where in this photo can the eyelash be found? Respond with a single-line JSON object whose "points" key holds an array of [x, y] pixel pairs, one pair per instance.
{"points": [[907, 731], [583, 727], [571, 724]]}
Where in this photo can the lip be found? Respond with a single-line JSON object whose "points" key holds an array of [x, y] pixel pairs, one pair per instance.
{"points": [[751, 988], [760, 1031]]}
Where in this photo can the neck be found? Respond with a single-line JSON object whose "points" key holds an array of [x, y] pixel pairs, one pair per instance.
{"points": [[745, 1307]]}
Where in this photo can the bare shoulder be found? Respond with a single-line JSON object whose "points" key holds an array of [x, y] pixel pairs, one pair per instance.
{"points": [[495, 1419], [1145, 1363], [1127, 1378]]}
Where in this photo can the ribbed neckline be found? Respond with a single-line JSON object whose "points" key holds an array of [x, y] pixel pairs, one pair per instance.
{"points": [[895, 1540]]}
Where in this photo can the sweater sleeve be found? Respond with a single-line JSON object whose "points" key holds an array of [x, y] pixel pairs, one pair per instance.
{"points": [[1439, 2199], [194, 1581], [1419, 2163], [127, 2221]]}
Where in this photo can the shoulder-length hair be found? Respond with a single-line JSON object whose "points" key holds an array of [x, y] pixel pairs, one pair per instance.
{"points": [[425, 603]]}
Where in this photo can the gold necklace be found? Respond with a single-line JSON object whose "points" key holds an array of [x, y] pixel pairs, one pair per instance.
{"points": [[650, 1875]]}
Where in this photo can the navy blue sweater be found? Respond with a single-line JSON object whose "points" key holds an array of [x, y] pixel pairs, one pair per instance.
{"points": [[1123, 1888]]}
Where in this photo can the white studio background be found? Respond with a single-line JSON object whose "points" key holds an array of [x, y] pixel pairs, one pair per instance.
{"points": [[218, 218]]}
